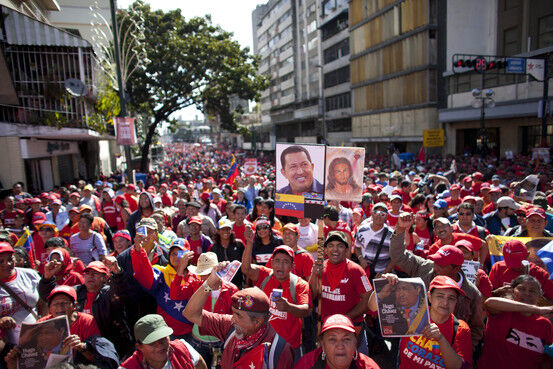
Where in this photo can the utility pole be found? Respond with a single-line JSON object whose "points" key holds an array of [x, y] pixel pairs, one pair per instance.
{"points": [[545, 99], [122, 100]]}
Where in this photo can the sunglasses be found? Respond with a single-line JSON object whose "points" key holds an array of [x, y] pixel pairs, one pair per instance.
{"points": [[46, 229], [465, 214], [380, 212], [263, 227]]}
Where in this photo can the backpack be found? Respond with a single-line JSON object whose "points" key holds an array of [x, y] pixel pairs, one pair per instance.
{"points": [[293, 283]]}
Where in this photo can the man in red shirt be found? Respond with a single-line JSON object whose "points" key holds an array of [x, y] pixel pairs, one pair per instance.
{"points": [[240, 222], [494, 194], [444, 231], [294, 302], [477, 184], [467, 187], [303, 261], [8, 214], [131, 197], [455, 196], [246, 333], [466, 224], [514, 264], [166, 199], [341, 284]]}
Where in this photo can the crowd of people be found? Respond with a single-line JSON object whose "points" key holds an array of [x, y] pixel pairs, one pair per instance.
{"points": [[139, 269]]}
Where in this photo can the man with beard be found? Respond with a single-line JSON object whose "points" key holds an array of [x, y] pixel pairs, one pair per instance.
{"points": [[246, 333], [297, 168], [340, 184]]}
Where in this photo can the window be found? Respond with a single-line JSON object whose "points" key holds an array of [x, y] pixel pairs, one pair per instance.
{"points": [[545, 31], [336, 51], [511, 41], [336, 77], [328, 7], [340, 101], [334, 26]]}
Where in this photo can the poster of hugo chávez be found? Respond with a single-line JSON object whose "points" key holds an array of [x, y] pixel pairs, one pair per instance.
{"points": [[41, 343], [402, 308]]}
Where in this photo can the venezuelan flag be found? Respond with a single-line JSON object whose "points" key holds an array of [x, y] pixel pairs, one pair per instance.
{"points": [[233, 172], [289, 205], [25, 241]]}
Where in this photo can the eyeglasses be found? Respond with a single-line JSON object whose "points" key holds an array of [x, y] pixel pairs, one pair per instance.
{"points": [[263, 227], [465, 214], [380, 212]]}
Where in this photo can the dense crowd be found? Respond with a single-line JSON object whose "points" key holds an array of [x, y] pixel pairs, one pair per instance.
{"points": [[139, 269]]}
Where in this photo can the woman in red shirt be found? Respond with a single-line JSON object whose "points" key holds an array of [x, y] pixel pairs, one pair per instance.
{"points": [[517, 329], [446, 341], [338, 348]]}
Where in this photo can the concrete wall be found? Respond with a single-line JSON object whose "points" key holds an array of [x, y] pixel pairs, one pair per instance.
{"points": [[12, 167], [471, 28]]}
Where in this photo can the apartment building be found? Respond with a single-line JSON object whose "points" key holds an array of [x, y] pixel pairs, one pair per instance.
{"points": [[394, 78], [289, 45]]}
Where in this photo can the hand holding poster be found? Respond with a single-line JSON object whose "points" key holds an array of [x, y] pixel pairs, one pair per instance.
{"points": [[402, 306], [470, 268], [344, 173], [41, 344]]}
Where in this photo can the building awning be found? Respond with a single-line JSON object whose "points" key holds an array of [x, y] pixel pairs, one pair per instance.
{"points": [[51, 133], [20, 29]]}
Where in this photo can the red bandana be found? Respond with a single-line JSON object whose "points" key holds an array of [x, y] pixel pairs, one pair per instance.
{"points": [[248, 342], [335, 273]]}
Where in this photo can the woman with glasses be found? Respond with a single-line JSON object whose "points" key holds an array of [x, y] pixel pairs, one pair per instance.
{"points": [[264, 241]]}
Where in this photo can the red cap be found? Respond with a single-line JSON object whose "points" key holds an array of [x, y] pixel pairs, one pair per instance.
{"points": [[122, 234], [445, 282], [422, 214], [205, 196], [448, 255], [485, 186], [284, 249], [514, 252], [358, 211], [251, 299], [464, 243], [164, 185], [5, 247], [454, 187], [97, 266], [73, 210], [75, 194], [195, 219], [68, 290], [36, 200], [174, 184], [151, 189], [496, 190], [43, 195], [338, 321], [535, 211], [119, 199], [467, 179], [39, 217], [131, 187], [469, 198], [56, 202], [477, 175], [291, 227]]}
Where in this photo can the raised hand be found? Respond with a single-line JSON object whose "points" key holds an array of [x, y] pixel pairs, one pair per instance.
{"points": [[52, 268]]}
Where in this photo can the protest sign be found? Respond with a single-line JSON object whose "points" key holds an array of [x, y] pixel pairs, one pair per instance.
{"points": [[41, 343], [299, 177], [402, 308], [344, 173], [526, 188], [470, 268], [250, 166], [125, 131]]}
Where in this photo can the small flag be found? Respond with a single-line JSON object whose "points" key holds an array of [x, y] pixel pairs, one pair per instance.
{"points": [[25, 241], [289, 205], [233, 172], [421, 157]]}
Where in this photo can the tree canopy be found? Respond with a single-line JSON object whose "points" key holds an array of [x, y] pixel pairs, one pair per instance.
{"points": [[191, 62]]}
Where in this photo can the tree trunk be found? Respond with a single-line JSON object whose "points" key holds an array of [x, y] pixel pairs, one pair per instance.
{"points": [[146, 146]]}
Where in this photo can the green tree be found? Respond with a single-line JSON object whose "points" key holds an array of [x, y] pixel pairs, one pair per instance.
{"points": [[191, 62]]}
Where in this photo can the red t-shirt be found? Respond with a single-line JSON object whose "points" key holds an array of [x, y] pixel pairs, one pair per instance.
{"points": [[286, 325], [166, 199], [196, 248], [515, 341], [303, 264], [110, 213], [424, 236], [473, 231], [418, 352], [451, 203], [500, 274], [133, 203], [485, 285], [347, 295], [475, 241], [239, 231], [491, 207], [90, 296]]}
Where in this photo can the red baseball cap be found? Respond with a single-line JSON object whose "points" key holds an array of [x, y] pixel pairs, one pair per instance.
{"points": [[284, 249], [73, 210], [485, 186], [496, 190], [467, 179], [477, 175], [291, 227], [338, 321], [97, 266], [454, 187], [123, 234], [514, 252], [56, 202], [205, 196], [164, 185], [131, 187], [464, 243], [448, 255], [67, 290], [535, 211], [43, 195], [195, 219], [75, 194], [36, 200], [5, 247], [445, 282], [39, 217]]}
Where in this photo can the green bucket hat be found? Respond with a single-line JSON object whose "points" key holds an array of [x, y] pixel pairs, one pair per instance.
{"points": [[151, 328]]}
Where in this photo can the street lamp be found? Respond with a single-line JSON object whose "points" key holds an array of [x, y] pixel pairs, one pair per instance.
{"points": [[483, 99]]}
